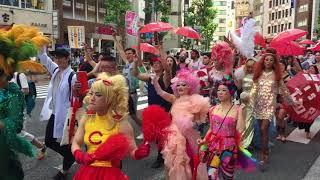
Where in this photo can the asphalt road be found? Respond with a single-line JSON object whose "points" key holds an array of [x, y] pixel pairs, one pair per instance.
{"points": [[288, 161]]}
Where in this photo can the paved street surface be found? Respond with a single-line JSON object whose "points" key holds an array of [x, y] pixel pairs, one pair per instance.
{"points": [[288, 161]]}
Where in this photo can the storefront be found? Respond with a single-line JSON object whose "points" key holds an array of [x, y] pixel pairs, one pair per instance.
{"points": [[37, 18]]}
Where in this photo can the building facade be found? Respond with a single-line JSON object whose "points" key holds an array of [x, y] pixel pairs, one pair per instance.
{"points": [[33, 13], [87, 13], [303, 16], [257, 7], [221, 19], [278, 15]]}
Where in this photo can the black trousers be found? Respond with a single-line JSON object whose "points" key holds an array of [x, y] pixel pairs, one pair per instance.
{"points": [[52, 143]]}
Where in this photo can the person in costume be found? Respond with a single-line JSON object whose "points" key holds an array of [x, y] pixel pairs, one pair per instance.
{"points": [[246, 84], [188, 109], [222, 139], [17, 45], [105, 131], [267, 84], [222, 56]]}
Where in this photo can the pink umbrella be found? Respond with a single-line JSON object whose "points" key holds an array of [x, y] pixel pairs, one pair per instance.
{"points": [[156, 27], [306, 41], [288, 35], [188, 32], [288, 48], [316, 47], [146, 47]]}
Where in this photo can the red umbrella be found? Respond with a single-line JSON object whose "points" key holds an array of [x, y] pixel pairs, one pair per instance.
{"points": [[288, 35], [259, 39], [288, 48], [156, 27], [306, 41], [316, 47], [146, 47], [188, 32]]}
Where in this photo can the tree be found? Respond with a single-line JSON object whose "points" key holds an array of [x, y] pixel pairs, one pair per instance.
{"points": [[161, 9], [115, 14], [200, 15]]}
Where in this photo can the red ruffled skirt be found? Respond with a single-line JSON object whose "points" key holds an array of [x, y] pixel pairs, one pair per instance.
{"points": [[99, 173]]}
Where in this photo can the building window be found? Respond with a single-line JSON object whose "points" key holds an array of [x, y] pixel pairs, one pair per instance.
{"points": [[222, 12], [275, 28], [222, 21], [30, 4], [287, 12], [276, 2], [279, 28], [270, 4], [286, 26], [219, 3], [290, 11], [272, 28], [282, 27], [283, 1], [272, 16], [279, 14], [303, 22], [303, 8], [222, 29], [269, 30], [289, 26], [273, 3], [269, 16], [10, 3], [276, 15], [283, 14]]}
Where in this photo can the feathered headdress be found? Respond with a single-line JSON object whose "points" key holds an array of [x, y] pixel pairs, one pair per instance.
{"points": [[19, 44]]}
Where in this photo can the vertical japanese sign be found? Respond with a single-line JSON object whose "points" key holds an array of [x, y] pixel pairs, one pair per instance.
{"points": [[76, 35], [305, 89], [132, 20]]}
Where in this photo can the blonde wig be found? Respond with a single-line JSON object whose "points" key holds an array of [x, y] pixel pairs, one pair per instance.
{"points": [[115, 89]]}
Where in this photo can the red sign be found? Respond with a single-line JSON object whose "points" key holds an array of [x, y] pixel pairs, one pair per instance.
{"points": [[106, 30], [304, 89]]}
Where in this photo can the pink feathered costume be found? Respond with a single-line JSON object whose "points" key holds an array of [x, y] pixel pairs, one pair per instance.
{"points": [[180, 144]]}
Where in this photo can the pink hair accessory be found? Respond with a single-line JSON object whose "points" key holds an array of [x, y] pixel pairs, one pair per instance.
{"points": [[222, 53], [187, 77]]}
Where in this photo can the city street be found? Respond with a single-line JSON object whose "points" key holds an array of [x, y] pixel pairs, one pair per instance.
{"points": [[288, 160]]}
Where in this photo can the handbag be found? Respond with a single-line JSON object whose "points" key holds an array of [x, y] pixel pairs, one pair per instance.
{"points": [[213, 158]]}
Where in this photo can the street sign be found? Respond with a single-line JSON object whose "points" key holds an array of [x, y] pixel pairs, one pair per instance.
{"points": [[76, 35]]}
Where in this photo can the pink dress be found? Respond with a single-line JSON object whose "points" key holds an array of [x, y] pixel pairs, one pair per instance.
{"points": [[224, 144], [182, 143]]}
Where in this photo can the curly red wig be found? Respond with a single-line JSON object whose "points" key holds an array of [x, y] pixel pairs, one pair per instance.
{"points": [[259, 66]]}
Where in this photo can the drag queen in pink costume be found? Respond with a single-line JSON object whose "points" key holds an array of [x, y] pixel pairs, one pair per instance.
{"points": [[188, 108]]}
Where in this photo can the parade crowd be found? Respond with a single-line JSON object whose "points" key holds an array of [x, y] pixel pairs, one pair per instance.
{"points": [[205, 110]]}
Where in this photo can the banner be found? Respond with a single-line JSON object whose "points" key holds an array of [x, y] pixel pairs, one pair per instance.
{"points": [[132, 20], [305, 89], [76, 36]]}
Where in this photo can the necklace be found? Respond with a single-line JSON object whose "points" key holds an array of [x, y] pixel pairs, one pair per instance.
{"points": [[223, 110]]}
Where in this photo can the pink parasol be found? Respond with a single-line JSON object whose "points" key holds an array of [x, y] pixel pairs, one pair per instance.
{"points": [[288, 35], [146, 47], [156, 27], [288, 48], [306, 41], [188, 32]]}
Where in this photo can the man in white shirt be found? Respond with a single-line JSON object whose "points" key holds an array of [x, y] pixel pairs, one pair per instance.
{"points": [[57, 103], [195, 63]]}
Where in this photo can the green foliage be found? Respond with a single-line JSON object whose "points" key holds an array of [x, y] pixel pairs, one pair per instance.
{"points": [[318, 27], [116, 11], [201, 14], [160, 7]]}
